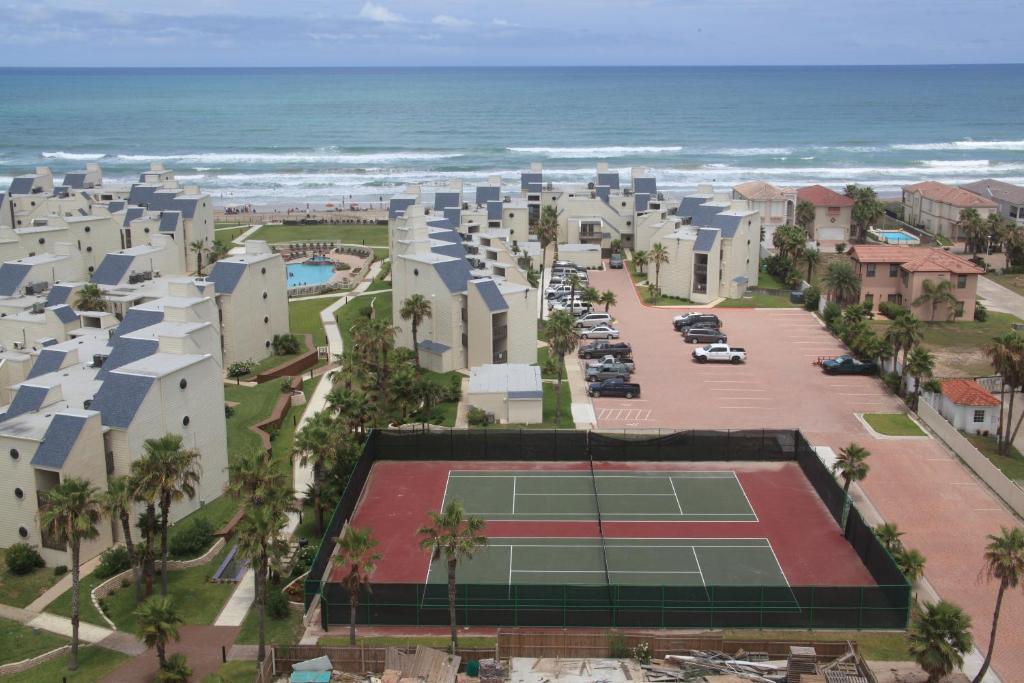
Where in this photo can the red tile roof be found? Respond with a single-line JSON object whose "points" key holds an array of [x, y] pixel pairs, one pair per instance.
{"points": [[947, 194], [915, 259], [967, 392], [822, 196]]}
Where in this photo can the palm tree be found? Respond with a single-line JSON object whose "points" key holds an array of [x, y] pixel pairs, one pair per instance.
{"points": [[417, 309], [547, 234], [640, 260], [260, 541], [608, 299], [936, 294], [216, 251], [851, 465], [789, 240], [143, 491], [118, 503], [907, 331], [356, 553], [805, 216], [560, 334], [90, 298], [177, 670], [198, 247], [456, 536], [590, 295], [158, 621], [889, 535], [911, 563], [172, 472], [1004, 561], [811, 258], [920, 365], [841, 282], [658, 257], [317, 443], [974, 230], [256, 478], [940, 636], [69, 513], [351, 407], [1007, 356], [867, 209]]}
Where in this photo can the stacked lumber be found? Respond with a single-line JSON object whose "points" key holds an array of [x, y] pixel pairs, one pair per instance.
{"points": [[802, 660], [426, 666]]}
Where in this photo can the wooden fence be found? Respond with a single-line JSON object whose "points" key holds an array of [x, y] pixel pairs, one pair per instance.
{"points": [[294, 367], [357, 659], [265, 672]]}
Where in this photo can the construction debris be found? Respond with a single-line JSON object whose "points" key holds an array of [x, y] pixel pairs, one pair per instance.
{"points": [[574, 670], [427, 665]]}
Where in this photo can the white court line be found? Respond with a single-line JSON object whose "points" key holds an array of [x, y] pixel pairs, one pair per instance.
{"points": [[631, 514], [560, 495], [443, 497], [697, 560], [744, 492], [611, 474], [676, 495], [597, 571], [514, 479], [511, 547]]}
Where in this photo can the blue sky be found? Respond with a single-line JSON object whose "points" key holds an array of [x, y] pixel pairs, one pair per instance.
{"points": [[524, 32]]}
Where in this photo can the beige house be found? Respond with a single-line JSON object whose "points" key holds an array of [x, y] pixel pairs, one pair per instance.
{"points": [[833, 214], [777, 206], [936, 207], [511, 392], [898, 274], [1007, 196]]}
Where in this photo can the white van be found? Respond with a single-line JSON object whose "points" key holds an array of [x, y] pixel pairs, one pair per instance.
{"points": [[593, 319]]}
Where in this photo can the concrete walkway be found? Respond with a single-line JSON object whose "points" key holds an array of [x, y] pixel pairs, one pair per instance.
{"points": [[240, 240], [63, 586], [999, 298]]}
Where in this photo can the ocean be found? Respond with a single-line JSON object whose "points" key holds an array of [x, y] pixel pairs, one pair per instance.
{"points": [[289, 136]]}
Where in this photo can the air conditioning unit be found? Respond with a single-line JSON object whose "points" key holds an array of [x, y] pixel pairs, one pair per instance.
{"points": [[37, 308], [99, 359], [18, 346]]}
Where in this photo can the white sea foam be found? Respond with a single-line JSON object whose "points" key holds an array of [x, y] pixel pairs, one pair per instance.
{"points": [[592, 152], [1011, 145], [73, 156], [231, 158], [752, 151]]}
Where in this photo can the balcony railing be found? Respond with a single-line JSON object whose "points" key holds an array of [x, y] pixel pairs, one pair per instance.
{"points": [[499, 332]]}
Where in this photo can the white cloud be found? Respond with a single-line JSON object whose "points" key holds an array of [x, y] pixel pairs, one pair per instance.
{"points": [[380, 13], [450, 21], [503, 23]]}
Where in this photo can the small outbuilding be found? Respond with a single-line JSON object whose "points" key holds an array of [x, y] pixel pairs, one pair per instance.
{"points": [[968, 406], [511, 392]]}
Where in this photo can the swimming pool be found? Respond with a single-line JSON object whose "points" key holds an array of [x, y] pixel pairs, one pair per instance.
{"points": [[896, 237], [303, 274]]}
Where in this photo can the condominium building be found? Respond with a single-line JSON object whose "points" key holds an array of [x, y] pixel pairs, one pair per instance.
{"points": [[833, 214], [898, 274], [459, 256], [776, 205], [936, 207], [1009, 198]]}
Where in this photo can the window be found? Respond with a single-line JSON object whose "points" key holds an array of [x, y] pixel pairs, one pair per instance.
{"points": [[870, 270], [961, 281], [892, 298], [906, 279], [958, 310], [185, 421], [894, 269], [19, 494], [979, 415], [14, 454], [183, 383], [23, 532], [869, 299]]}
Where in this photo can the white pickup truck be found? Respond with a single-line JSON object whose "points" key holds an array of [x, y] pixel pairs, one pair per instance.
{"points": [[719, 353]]}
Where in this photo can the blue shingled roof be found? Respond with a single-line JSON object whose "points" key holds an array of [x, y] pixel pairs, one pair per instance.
{"points": [[27, 399], [706, 239], [611, 179], [491, 295], [58, 441], [11, 277], [75, 180], [640, 201], [65, 313], [226, 275], [22, 185], [119, 398], [114, 207], [440, 223], [169, 221], [704, 214], [126, 350], [138, 318], [530, 179], [454, 274], [487, 193], [399, 204], [454, 216], [49, 360], [141, 195], [452, 249], [131, 214], [58, 294], [689, 205], [112, 269], [727, 224], [447, 236], [433, 346], [645, 185], [443, 200], [603, 193], [494, 210]]}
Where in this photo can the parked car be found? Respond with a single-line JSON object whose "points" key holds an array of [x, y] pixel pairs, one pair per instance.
{"points": [[722, 353], [600, 349], [564, 264], [703, 335], [609, 370], [615, 261], [600, 332], [564, 300], [594, 319], [681, 322], [848, 365], [554, 291], [613, 387], [609, 358], [576, 307]]}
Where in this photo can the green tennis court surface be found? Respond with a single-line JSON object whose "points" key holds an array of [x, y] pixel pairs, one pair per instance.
{"points": [[695, 562], [634, 496]]}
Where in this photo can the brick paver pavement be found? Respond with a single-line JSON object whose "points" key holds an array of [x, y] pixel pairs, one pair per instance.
{"points": [[945, 512]]}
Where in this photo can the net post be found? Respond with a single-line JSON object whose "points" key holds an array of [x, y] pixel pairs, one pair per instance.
{"points": [[814, 606], [860, 610]]}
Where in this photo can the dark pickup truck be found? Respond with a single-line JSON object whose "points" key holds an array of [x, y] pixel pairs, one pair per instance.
{"points": [[848, 365], [614, 387], [600, 349]]}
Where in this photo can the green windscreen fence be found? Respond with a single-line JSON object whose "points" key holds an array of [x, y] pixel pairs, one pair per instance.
{"points": [[882, 606]]}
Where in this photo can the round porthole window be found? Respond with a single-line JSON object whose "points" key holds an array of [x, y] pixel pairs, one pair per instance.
{"points": [[19, 494], [88, 229], [145, 230], [88, 249], [267, 344], [185, 421], [266, 318], [42, 240], [183, 383], [263, 271], [264, 295], [23, 532], [92, 268], [415, 271], [15, 454]]}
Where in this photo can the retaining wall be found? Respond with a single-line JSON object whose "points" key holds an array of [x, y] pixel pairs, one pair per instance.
{"points": [[24, 665]]}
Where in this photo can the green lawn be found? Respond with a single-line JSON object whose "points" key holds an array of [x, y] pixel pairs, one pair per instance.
{"points": [[348, 314], [634, 274], [227, 236], [542, 361], [233, 672], [769, 281], [87, 612], [664, 300], [893, 424], [378, 285], [19, 591], [381, 253], [444, 413], [94, 663], [758, 301], [304, 318], [272, 361], [565, 421], [255, 404], [882, 646], [441, 642], [285, 631], [372, 235], [1012, 465], [18, 642]]}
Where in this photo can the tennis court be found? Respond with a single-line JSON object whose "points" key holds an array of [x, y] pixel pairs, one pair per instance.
{"points": [[623, 496], [698, 562]]}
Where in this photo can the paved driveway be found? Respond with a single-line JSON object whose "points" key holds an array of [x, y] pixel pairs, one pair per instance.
{"points": [[945, 512], [999, 298]]}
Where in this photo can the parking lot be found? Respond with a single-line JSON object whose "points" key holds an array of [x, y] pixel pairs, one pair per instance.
{"points": [[778, 385]]}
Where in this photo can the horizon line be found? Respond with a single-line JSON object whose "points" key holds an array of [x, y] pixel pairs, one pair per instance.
{"points": [[520, 66]]}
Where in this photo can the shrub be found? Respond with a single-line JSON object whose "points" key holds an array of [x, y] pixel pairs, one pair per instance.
{"points": [[642, 653], [113, 561], [341, 265], [617, 647], [176, 671], [60, 570], [228, 411], [477, 417], [285, 344], [277, 604], [23, 559], [303, 560], [190, 538], [812, 297], [831, 314], [286, 385], [891, 310], [980, 312], [893, 382], [240, 369], [841, 247], [454, 394]]}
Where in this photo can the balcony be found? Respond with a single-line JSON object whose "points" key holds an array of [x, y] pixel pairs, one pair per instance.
{"points": [[499, 332]]}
